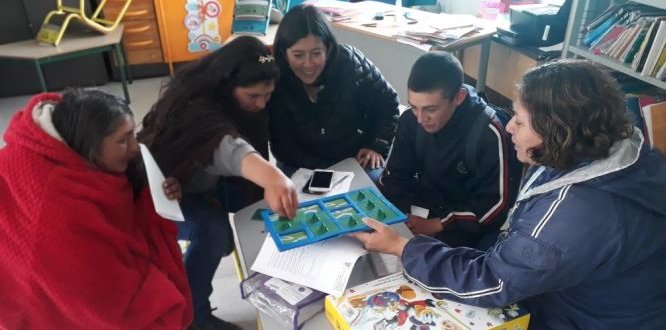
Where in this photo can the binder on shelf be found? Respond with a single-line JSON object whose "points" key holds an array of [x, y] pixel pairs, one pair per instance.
{"points": [[251, 17], [247, 26], [252, 9]]}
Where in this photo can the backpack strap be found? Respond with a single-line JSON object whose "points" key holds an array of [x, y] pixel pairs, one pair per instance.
{"points": [[472, 145]]}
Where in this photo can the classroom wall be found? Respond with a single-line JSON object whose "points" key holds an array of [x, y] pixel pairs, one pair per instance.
{"points": [[460, 6]]}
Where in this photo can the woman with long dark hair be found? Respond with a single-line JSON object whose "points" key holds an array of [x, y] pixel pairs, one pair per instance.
{"points": [[209, 124]]}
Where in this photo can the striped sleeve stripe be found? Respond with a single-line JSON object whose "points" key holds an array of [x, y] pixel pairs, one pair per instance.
{"points": [[468, 216], [551, 210], [503, 178], [462, 295]]}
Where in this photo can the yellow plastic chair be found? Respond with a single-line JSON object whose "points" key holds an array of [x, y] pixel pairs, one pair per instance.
{"points": [[52, 33]]}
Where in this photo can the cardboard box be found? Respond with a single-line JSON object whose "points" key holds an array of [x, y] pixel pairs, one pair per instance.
{"points": [[285, 302], [392, 302]]}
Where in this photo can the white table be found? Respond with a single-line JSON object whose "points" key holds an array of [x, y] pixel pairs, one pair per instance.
{"points": [[395, 59], [249, 235]]}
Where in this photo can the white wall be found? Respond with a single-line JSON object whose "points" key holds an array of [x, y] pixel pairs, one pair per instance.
{"points": [[460, 6]]}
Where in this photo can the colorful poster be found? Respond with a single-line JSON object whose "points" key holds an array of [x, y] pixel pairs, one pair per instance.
{"points": [[201, 22]]}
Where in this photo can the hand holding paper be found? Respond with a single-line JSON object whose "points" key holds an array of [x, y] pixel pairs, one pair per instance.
{"points": [[164, 206]]}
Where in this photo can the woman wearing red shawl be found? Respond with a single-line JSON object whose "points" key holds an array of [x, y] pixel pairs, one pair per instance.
{"points": [[82, 247]]}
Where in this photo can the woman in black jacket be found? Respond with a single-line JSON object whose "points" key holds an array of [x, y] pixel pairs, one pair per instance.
{"points": [[331, 102]]}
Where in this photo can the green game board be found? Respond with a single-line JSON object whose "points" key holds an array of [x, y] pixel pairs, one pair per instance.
{"points": [[330, 216]]}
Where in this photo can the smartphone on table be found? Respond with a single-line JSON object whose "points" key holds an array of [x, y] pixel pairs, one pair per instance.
{"points": [[321, 181]]}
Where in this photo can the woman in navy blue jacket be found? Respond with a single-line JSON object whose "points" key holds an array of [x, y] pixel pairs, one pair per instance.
{"points": [[584, 246]]}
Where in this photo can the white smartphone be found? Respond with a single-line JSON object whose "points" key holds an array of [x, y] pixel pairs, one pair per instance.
{"points": [[321, 181]]}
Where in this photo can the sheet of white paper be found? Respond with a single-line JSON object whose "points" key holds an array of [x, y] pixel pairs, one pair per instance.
{"points": [[419, 211], [302, 175], [324, 266], [165, 207], [423, 47]]}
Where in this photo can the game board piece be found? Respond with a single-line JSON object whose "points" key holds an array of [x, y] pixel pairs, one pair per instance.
{"points": [[351, 222], [284, 225], [321, 230]]}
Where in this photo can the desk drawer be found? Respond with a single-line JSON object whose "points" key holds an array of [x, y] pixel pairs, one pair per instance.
{"points": [[139, 27], [144, 56], [143, 42], [139, 9], [141, 34]]}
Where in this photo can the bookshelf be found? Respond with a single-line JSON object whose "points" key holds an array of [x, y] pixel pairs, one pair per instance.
{"points": [[583, 12]]}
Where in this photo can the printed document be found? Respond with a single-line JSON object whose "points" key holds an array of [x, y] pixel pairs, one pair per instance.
{"points": [[325, 266], [165, 207]]}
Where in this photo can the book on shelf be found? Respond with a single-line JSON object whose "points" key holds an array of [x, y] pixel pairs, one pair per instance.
{"points": [[605, 15], [639, 60], [661, 74], [655, 50], [604, 43], [597, 32], [626, 39], [634, 104], [655, 122], [629, 33], [631, 51], [661, 60]]}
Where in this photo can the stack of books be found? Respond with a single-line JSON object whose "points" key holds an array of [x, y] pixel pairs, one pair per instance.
{"points": [[632, 34], [648, 113], [251, 17]]}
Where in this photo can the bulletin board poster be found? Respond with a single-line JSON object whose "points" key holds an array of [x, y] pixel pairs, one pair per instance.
{"points": [[193, 28]]}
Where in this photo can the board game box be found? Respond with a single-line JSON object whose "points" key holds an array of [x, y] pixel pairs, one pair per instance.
{"points": [[330, 216], [392, 302]]}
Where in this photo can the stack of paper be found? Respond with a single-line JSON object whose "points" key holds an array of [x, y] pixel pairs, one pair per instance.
{"points": [[325, 266]]}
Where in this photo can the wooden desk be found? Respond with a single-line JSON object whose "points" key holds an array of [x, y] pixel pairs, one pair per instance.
{"points": [[395, 59], [249, 235], [72, 46]]}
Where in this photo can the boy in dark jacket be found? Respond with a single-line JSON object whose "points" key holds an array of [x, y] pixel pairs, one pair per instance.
{"points": [[459, 198]]}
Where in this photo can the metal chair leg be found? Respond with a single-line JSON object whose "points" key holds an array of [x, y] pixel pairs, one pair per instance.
{"points": [[121, 71]]}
